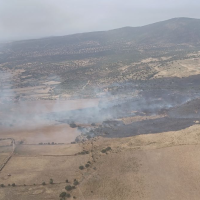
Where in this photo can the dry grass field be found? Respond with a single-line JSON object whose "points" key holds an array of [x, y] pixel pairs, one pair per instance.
{"points": [[154, 166]]}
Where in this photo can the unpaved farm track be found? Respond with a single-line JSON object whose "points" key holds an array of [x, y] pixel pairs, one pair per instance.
{"points": [[11, 154]]}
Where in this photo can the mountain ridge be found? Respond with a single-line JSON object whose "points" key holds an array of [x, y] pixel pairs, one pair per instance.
{"points": [[164, 22]]}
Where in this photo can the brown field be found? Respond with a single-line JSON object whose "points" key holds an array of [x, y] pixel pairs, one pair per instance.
{"points": [[179, 68], [155, 166], [59, 133]]}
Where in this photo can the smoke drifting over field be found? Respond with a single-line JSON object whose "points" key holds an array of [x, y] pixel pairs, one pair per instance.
{"points": [[125, 100]]}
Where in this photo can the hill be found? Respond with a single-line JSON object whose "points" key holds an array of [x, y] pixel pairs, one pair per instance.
{"points": [[176, 31], [103, 57]]}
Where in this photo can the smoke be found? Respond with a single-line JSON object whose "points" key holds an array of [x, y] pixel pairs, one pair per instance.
{"points": [[115, 102]]}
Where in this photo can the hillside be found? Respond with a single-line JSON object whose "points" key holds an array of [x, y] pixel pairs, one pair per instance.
{"points": [[102, 58], [173, 31]]}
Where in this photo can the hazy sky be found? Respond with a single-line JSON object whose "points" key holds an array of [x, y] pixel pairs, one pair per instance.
{"points": [[24, 19]]}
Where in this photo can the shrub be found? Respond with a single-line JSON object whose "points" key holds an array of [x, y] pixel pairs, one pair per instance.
{"points": [[68, 187], [106, 149], [51, 181], [103, 150], [21, 142], [84, 152], [87, 165], [73, 125], [8, 184], [76, 182], [43, 183], [63, 194], [2, 185], [13, 185], [81, 167], [68, 195]]}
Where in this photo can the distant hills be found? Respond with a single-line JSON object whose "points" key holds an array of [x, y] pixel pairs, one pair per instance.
{"points": [[169, 33], [103, 57], [176, 31], [122, 43]]}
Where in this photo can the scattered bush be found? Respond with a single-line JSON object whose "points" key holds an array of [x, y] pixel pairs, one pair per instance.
{"points": [[8, 184], [13, 185], [106, 149], [2, 185], [63, 195], [73, 125], [89, 137], [76, 182], [87, 165], [83, 152], [68, 188], [43, 183], [67, 181], [68, 195], [81, 167], [51, 181]]}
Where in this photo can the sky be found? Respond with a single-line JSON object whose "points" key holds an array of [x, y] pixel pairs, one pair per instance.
{"points": [[28, 19]]}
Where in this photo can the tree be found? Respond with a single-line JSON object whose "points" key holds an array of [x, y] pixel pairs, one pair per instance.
{"points": [[51, 181]]}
